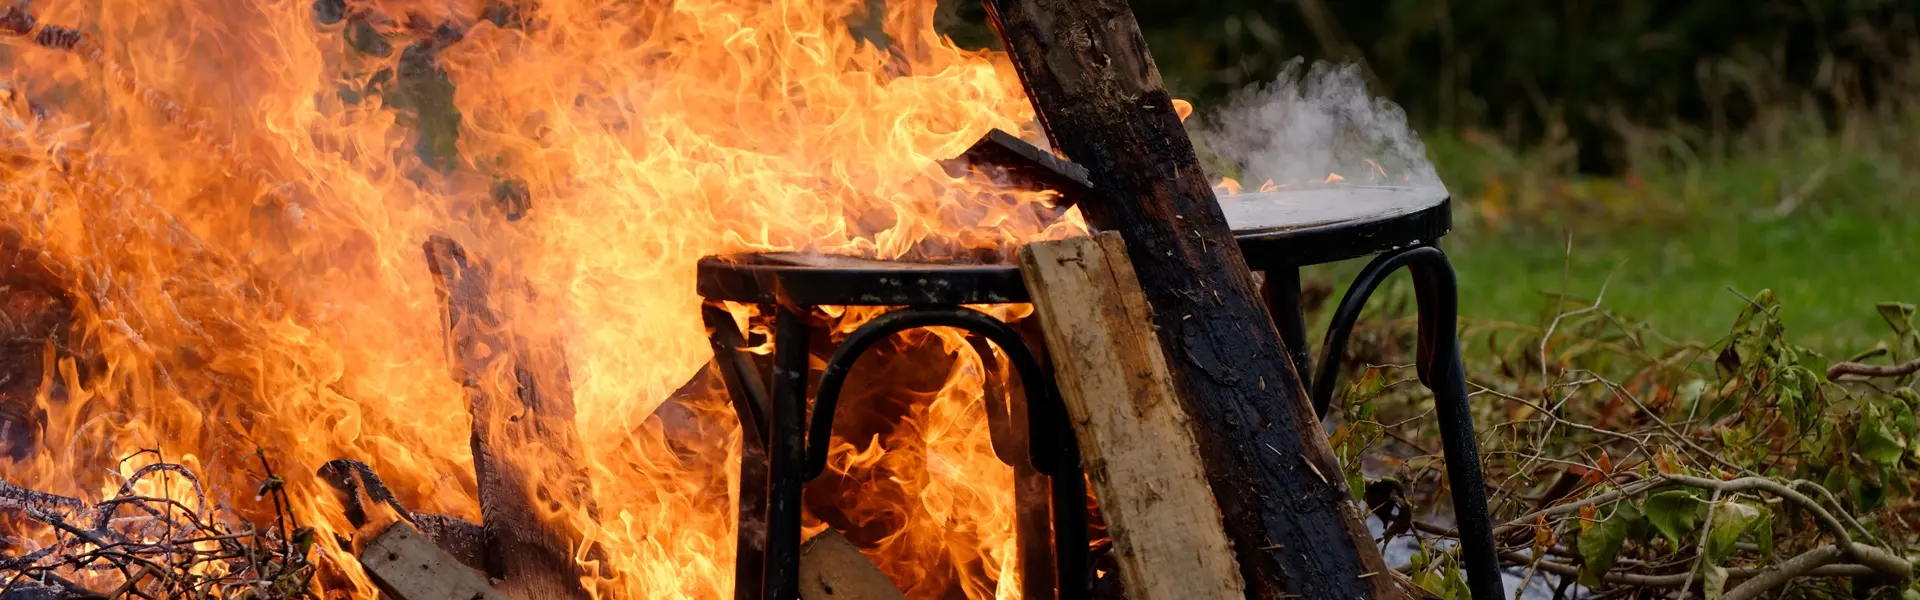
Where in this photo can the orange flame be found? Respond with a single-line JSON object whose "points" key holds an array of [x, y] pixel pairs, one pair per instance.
{"points": [[232, 198]]}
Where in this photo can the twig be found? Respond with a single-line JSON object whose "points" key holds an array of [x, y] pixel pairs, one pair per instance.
{"points": [[1841, 369], [1800, 565]]}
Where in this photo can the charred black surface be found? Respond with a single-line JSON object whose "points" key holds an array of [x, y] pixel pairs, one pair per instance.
{"points": [[1096, 91]]}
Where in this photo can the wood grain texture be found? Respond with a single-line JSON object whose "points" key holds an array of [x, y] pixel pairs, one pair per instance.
{"points": [[408, 566], [1296, 531], [526, 451], [1135, 437], [831, 568]]}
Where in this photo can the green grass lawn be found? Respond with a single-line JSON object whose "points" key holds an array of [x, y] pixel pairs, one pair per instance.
{"points": [[1828, 272], [1671, 243]]}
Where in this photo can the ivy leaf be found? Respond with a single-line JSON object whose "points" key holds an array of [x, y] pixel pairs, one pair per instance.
{"points": [[1763, 533], [1713, 581], [1876, 441], [1674, 513], [1899, 316], [1869, 495], [1900, 417], [1601, 543], [1896, 482], [1730, 521]]}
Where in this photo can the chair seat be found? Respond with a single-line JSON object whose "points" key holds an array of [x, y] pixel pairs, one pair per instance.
{"points": [[1293, 228], [1280, 229]]}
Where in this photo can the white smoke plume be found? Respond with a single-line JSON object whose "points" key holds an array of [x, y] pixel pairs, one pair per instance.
{"points": [[1305, 126]]}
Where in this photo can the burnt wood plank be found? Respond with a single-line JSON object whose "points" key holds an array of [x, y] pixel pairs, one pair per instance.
{"points": [[1136, 439], [831, 568], [408, 566], [525, 447], [1294, 528]]}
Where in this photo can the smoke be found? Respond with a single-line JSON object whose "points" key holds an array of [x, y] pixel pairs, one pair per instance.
{"points": [[1305, 126]]}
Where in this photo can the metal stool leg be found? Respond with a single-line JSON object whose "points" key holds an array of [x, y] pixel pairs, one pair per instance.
{"points": [[1051, 444], [1440, 370], [1282, 293], [786, 453], [750, 406], [1033, 523]]}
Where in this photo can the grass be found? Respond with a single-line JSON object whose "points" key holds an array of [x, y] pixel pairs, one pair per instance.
{"points": [[1828, 220]]}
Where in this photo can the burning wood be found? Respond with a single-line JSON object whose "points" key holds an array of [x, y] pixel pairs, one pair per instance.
{"points": [[831, 568], [229, 315], [524, 445], [137, 544], [1135, 436], [410, 567], [1103, 104]]}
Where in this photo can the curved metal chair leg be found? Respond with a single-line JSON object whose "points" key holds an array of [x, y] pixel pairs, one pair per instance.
{"points": [[1440, 370], [1051, 446], [750, 407]]}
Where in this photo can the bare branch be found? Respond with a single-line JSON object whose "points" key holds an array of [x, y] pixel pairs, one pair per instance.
{"points": [[1842, 369]]}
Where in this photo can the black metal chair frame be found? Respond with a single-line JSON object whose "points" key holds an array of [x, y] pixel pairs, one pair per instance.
{"points": [[786, 448], [1439, 367], [782, 451]]}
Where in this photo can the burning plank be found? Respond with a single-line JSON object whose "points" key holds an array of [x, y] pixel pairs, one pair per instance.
{"points": [[1023, 165], [408, 566], [1136, 438], [524, 443], [1095, 89], [831, 568]]}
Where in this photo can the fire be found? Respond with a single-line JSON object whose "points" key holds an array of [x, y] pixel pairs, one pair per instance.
{"points": [[232, 196]]}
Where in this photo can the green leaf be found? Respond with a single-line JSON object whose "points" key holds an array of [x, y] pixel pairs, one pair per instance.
{"points": [[1868, 495], [1763, 533], [1731, 519], [1601, 544], [1674, 513], [1896, 482], [1713, 581], [1900, 417], [1899, 316], [1876, 439]]}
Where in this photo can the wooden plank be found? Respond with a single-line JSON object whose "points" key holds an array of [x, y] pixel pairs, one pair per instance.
{"points": [[831, 568], [524, 442], [1295, 529], [408, 566], [1135, 438]]}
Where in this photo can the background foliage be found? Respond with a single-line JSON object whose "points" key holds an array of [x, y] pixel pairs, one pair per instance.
{"points": [[1533, 71]]}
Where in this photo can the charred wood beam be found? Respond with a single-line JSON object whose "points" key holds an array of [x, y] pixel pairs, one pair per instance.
{"points": [[1294, 528], [1023, 165], [525, 448]]}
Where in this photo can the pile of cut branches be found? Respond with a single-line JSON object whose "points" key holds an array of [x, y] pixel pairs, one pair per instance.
{"points": [[1625, 465], [137, 544]]}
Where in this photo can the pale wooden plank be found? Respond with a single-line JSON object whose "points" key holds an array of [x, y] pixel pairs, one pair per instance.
{"points": [[831, 568], [1135, 438], [408, 566]]}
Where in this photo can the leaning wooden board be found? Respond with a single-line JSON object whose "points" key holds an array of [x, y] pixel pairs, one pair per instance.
{"points": [[408, 566], [1135, 436]]}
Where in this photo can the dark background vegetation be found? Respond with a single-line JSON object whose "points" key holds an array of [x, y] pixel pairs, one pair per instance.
{"points": [[1670, 150], [1530, 70]]}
